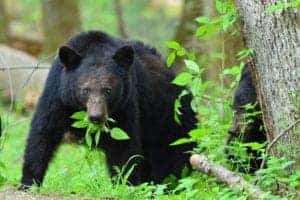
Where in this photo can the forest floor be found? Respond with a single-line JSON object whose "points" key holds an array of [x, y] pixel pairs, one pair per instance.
{"points": [[11, 194]]}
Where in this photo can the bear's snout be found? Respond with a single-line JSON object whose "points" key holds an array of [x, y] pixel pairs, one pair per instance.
{"points": [[96, 118]]}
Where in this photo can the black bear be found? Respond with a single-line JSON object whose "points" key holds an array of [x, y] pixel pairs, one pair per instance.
{"points": [[247, 128], [125, 80]]}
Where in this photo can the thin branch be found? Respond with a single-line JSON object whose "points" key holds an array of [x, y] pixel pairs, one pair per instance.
{"points": [[37, 67], [275, 140], [29, 67], [121, 23]]}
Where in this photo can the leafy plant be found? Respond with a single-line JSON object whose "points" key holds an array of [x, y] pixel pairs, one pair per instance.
{"points": [[95, 130], [283, 5], [2, 166]]}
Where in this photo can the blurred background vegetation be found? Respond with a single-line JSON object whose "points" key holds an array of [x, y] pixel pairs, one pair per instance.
{"points": [[39, 27], [31, 31]]}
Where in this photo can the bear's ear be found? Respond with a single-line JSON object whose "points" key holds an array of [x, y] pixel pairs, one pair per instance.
{"points": [[124, 57], [69, 57]]}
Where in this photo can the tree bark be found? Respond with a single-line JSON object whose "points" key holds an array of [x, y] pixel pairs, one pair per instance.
{"points": [[61, 19], [276, 70], [4, 22], [120, 19]]}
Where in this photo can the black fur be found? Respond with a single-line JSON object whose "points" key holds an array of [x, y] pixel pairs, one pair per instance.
{"points": [[142, 103], [253, 131]]}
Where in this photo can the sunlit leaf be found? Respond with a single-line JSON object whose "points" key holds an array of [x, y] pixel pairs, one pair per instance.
{"points": [[97, 137], [170, 59], [192, 65], [79, 115], [180, 52], [118, 134], [80, 124], [202, 20], [201, 31], [183, 79], [173, 45], [254, 145], [88, 138], [181, 141]]}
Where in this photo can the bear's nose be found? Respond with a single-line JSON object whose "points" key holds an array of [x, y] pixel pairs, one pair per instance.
{"points": [[96, 118]]}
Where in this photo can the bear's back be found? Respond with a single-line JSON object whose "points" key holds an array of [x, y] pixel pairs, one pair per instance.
{"points": [[148, 56]]}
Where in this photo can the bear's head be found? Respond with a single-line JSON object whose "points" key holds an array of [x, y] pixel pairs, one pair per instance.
{"points": [[98, 80]]}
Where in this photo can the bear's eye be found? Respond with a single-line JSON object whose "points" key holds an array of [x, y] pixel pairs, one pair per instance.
{"points": [[107, 91], [86, 91]]}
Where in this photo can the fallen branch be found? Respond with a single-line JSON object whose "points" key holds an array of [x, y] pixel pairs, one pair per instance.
{"points": [[223, 175]]}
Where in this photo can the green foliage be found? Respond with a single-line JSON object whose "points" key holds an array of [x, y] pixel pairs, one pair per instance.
{"points": [[226, 20], [283, 5], [212, 103], [278, 178], [95, 130], [2, 166], [84, 174], [176, 50]]}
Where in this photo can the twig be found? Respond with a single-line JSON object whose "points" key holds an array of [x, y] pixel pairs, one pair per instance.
{"points": [[121, 23], [269, 147], [10, 83], [37, 67], [11, 100], [22, 68], [226, 176]]}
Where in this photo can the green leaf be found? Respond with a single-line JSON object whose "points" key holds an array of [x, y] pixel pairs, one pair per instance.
{"points": [[197, 133], [201, 31], [118, 134], [183, 79], [176, 118], [80, 124], [202, 20], [173, 45], [220, 6], [94, 127], [254, 145], [97, 137], [79, 115], [171, 59], [88, 138], [181, 141], [180, 52], [234, 70], [192, 65], [177, 106]]}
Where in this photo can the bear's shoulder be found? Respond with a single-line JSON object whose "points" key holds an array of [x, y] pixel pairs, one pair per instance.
{"points": [[245, 92]]}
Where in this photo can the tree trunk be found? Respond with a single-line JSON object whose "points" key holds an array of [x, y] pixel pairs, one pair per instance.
{"points": [[4, 30], [120, 19], [276, 70], [185, 32], [61, 19], [191, 9]]}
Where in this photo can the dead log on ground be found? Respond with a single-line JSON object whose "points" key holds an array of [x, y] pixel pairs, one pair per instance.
{"points": [[233, 180]]}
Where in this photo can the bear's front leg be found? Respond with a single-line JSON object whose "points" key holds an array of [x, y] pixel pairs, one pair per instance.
{"points": [[127, 152], [47, 128]]}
